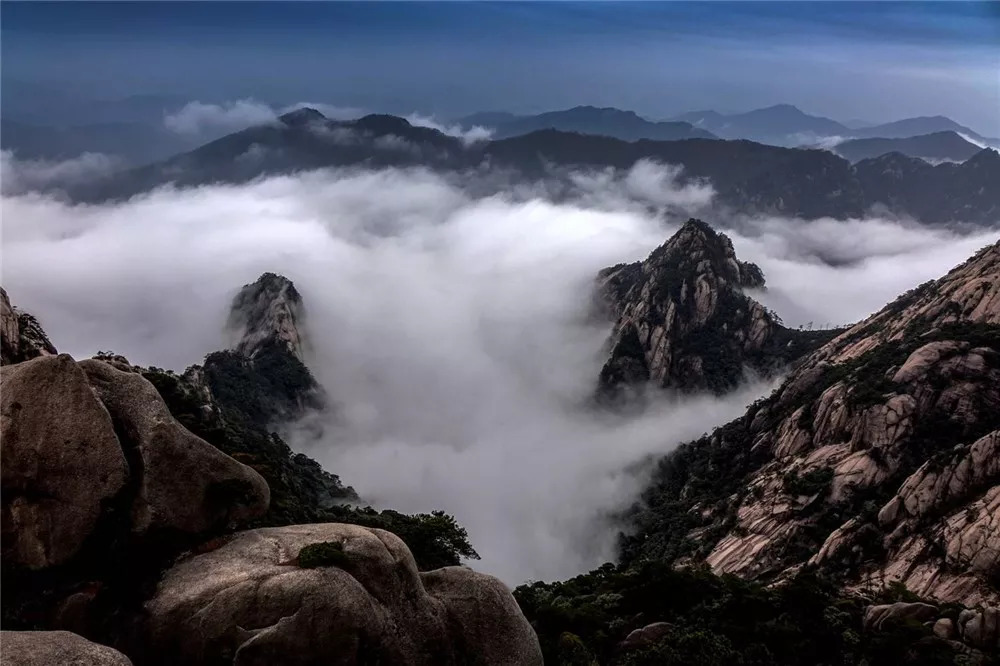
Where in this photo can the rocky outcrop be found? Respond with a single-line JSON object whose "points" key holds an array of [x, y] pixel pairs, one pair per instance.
{"points": [[79, 436], [61, 460], [52, 648], [683, 321], [184, 483], [267, 312], [875, 461], [21, 336], [332, 594], [977, 628]]}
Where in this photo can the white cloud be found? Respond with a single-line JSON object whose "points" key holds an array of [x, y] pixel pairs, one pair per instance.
{"points": [[468, 136], [449, 328], [197, 117], [18, 176]]}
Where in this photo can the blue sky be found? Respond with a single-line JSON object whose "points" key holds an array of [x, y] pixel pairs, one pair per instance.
{"points": [[876, 61]]}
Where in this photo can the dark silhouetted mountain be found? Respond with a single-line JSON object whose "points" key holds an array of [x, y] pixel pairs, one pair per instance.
{"points": [[948, 146], [746, 176], [946, 192], [782, 124], [606, 121]]}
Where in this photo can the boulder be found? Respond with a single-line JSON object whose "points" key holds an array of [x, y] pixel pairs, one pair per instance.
{"points": [[61, 460], [980, 628], [185, 484], [645, 637], [879, 617], [55, 648], [354, 596], [945, 628]]}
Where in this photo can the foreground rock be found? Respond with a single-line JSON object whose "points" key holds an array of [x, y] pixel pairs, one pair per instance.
{"points": [[55, 648], [353, 596], [683, 321], [876, 461], [184, 483], [61, 460]]}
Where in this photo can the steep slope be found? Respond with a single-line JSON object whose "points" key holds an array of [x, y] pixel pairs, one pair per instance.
{"points": [[22, 337], [874, 461], [683, 321], [606, 121], [940, 146]]}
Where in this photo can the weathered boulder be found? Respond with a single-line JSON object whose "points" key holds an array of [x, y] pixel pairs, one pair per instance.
{"points": [[980, 628], [55, 648], [185, 483], [879, 617], [945, 628], [645, 637], [61, 460], [353, 597]]}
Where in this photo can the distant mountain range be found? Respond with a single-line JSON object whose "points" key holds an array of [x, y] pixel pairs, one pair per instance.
{"points": [[784, 124], [606, 121], [747, 176], [936, 147]]}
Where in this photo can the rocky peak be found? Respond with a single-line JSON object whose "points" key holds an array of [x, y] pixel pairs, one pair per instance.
{"points": [[303, 116], [268, 311], [875, 461], [21, 336], [684, 322]]}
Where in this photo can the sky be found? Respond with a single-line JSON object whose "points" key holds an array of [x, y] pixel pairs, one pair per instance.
{"points": [[874, 61]]}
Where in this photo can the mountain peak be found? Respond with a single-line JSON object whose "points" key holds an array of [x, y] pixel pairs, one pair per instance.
{"points": [[302, 116], [267, 312], [683, 321]]}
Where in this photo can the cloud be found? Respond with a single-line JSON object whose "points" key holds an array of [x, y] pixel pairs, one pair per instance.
{"points": [[469, 135], [18, 176], [448, 326], [196, 118]]}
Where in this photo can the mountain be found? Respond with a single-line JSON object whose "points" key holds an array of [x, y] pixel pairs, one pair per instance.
{"points": [[874, 462], [851, 517], [683, 321], [901, 129], [746, 176], [941, 193], [940, 146], [124, 488], [624, 125], [781, 124]]}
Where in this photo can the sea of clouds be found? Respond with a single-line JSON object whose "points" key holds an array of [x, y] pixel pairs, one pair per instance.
{"points": [[449, 326]]}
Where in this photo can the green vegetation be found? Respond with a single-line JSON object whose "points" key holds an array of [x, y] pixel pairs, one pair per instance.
{"points": [[814, 482], [714, 621], [323, 554]]}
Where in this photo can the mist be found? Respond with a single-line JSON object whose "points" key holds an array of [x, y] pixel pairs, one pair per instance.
{"points": [[450, 328]]}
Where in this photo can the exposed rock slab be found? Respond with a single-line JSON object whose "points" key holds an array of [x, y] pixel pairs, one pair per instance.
{"points": [[55, 648], [184, 483], [61, 460], [250, 602]]}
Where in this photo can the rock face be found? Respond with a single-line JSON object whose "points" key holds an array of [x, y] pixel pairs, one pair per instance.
{"points": [[267, 312], [876, 460], [184, 483], [61, 460], [49, 648], [684, 322], [79, 436], [21, 337], [264, 598]]}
